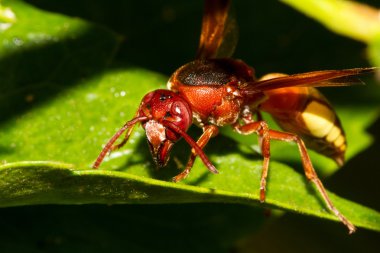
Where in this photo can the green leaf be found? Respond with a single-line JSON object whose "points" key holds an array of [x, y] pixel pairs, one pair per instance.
{"points": [[66, 112], [47, 182], [43, 54]]}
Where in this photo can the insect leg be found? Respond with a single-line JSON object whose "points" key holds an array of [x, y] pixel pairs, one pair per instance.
{"points": [[259, 117], [209, 131], [311, 174], [262, 130], [247, 118]]}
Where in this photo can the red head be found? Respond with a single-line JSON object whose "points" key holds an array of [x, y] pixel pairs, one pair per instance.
{"points": [[165, 116], [163, 110]]}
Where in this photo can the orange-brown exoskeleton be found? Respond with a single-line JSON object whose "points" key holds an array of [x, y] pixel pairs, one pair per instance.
{"points": [[215, 90]]}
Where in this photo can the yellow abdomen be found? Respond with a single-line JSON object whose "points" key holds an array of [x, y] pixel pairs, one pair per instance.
{"points": [[307, 113]]}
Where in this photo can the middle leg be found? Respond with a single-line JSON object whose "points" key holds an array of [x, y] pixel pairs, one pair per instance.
{"points": [[262, 130]]}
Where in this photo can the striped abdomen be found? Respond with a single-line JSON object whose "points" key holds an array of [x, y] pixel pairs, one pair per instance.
{"points": [[307, 113]]}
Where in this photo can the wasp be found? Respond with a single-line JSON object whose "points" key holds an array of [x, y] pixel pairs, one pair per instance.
{"points": [[216, 90]]}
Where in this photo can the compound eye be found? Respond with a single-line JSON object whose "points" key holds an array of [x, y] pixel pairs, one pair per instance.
{"points": [[180, 110], [177, 108]]}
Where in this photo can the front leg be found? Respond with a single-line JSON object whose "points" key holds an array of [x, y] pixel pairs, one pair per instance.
{"points": [[209, 131]]}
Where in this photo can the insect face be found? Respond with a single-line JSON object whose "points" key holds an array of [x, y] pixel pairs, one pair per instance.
{"points": [[163, 109]]}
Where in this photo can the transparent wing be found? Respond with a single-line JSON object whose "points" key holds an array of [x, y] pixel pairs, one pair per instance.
{"points": [[323, 78], [219, 33]]}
